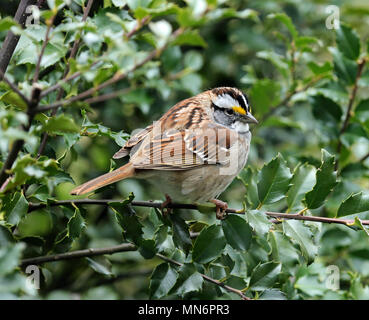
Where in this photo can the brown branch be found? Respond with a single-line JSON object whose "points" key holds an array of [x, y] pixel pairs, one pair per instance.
{"points": [[49, 23], [349, 111], [137, 27], [107, 96], [111, 250], [79, 254], [207, 278], [159, 205], [11, 39], [65, 80]]}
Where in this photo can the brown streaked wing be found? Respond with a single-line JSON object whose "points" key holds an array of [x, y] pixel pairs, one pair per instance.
{"points": [[131, 142], [185, 149]]}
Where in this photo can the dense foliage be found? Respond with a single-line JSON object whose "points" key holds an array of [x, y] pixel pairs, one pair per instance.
{"points": [[124, 64]]}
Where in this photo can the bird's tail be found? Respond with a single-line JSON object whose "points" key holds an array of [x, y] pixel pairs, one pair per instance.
{"points": [[121, 173]]}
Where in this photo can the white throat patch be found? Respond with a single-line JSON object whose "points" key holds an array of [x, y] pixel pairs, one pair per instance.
{"points": [[240, 127]]}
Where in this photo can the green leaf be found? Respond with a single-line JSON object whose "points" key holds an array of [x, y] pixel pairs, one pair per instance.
{"points": [[358, 223], [6, 23], [9, 258], [362, 110], [311, 285], [319, 69], [60, 124], [162, 281], [190, 37], [181, 235], [209, 244], [100, 265], [357, 203], [75, 225], [11, 97], [274, 181], [326, 110], [258, 221], [189, 280], [147, 248], [248, 178], [237, 232], [326, 180], [127, 219], [302, 235], [303, 180], [286, 20], [264, 94], [280, 62], [119, 3], [37, 223], [15, 208], [264, 276], [348, 42], [345, 69], [239, 268]]}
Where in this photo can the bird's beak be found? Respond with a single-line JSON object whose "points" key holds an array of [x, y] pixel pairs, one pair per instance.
{"points": [[250, 118]]}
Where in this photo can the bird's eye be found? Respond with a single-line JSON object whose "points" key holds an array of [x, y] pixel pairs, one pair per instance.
{"points": [[229, 111]]}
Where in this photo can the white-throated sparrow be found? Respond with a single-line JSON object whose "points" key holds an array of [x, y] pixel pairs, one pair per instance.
{"points": [[193, 152]]}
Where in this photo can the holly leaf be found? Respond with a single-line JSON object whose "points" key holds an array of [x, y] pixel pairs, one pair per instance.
{"points": [[302, 235], [264, 276], [348, 42], [355, 204], [237, 232], [274, 181], [326, 180], [303, 180], [209, 244], [162, 281]]}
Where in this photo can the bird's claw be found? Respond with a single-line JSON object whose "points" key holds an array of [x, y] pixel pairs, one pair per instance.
{"points": [[221, 208], [164, 206]]}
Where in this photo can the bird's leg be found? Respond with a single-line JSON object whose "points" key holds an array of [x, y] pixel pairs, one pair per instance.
{"points": [[164, 206], [221, 208]]}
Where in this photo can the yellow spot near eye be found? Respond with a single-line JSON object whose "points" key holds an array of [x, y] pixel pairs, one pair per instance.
{"points": [[239, 110]]}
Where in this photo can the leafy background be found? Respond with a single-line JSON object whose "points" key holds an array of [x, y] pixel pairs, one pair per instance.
{"points": [[308, 86]]}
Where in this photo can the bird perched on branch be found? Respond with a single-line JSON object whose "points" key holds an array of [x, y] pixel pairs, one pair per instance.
{"points": [[193, 152]]}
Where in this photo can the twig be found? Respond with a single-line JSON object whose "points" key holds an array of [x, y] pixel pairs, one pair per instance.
{"points": [[117, 77], [13, 87], [110, 250], [158, 205], [107, 96], [79, 254], [137, 27], [11, 39], [79, 73], [65, 80], [49, 23], [287, 98], [362, 159], [360, 68]]}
